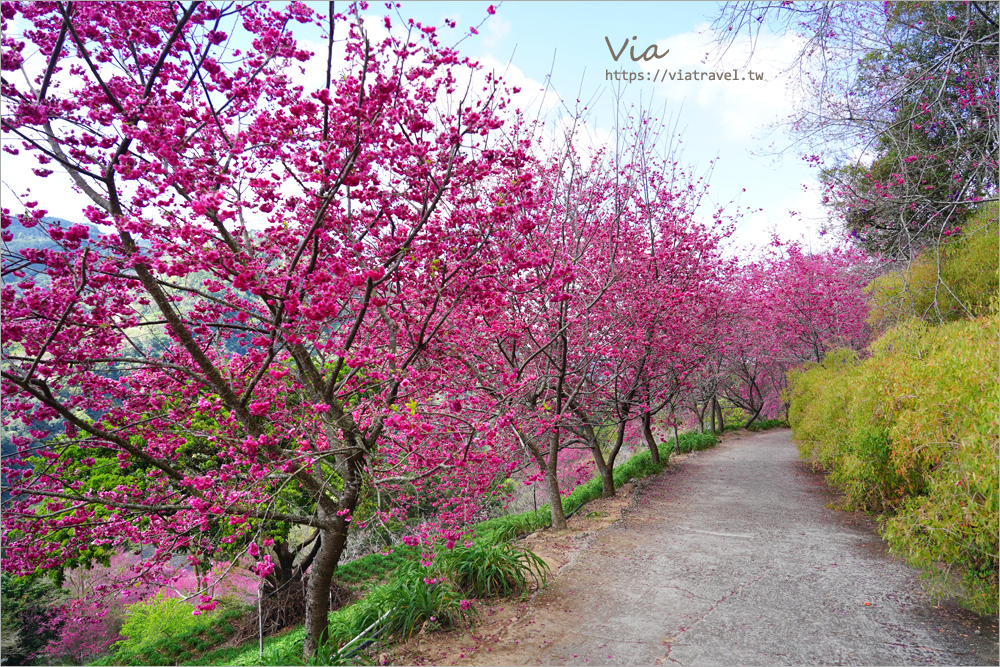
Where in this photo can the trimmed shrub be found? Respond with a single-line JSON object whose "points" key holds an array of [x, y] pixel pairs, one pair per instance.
{"points": [[957, 280], [767, 424], [912, 434]]}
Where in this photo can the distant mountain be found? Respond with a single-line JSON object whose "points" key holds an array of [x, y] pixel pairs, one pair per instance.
{"points": [[37, 236]]}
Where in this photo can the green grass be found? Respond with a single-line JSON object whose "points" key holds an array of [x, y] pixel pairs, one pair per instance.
{"points": [[375, 566], [181, 647], [275, 647], [506, 528], [492, 570], [767, 424]]}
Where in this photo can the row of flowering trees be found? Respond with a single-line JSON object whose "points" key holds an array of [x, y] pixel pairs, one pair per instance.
{"points": [[320, 308]]}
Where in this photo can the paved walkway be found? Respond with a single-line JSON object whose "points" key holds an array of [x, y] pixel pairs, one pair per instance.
{"points": [[734, 558]]}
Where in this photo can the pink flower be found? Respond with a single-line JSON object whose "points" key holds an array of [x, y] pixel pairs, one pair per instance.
{"points": [[264, 568], [259, 408], [207, 604]]}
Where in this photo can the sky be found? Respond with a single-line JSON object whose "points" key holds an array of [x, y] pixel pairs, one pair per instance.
{"points": [[729, 125], [562, 49]]}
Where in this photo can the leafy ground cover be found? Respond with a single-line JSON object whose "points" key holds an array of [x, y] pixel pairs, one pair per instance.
{"points": [[164, 632], [910, 433]]}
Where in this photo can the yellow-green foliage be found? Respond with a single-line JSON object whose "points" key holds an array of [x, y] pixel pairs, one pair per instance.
{"points": [[159, 617], [968, 285], [912, 433]]}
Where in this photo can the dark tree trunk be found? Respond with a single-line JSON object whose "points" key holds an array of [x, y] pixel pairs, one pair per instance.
{"points": [[555, 501], [757, 410], [318, 588], [326, 556], [285, 571], [754, 417], [677, 440], [712, 411], [283, 594], [607, 480], [606, 469], [552, 479], [549, 468], [647, 433], [722, 420]]}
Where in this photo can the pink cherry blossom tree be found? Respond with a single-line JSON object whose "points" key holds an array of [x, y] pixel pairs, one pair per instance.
{"points": [[664, 308], [261, 338], [792, 306], [534, 356]]}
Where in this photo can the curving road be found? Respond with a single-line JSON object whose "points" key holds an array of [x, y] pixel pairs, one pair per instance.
{"points": [[734, 558]]}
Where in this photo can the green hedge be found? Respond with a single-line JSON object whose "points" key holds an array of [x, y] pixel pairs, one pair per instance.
{"points": [[767, 424], [911, 434], [948, 282], [162, 631]]}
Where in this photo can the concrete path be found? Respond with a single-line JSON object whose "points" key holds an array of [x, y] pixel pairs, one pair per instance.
{"points": [[734, 558]]}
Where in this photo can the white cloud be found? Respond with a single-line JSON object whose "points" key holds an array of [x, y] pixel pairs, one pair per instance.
{"points": [[797, 216], [496, 29], [740, 108], [533, 96]]}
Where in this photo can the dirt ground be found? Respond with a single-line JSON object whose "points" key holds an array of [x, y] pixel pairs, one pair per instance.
{"points": [[733, 556], [510, 626]]}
